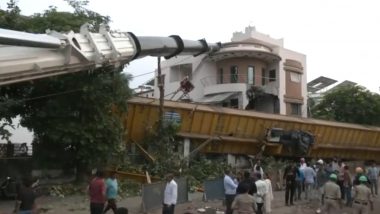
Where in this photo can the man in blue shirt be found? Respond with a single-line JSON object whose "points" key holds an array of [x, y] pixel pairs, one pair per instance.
{"points": [[373, 175], [229, 190], [111, 192], [310, 176]]}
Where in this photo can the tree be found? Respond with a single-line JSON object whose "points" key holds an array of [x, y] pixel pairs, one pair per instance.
{"points": [[76, 123], [51, 18], [11, 18], [76, 118], [351, 104]]}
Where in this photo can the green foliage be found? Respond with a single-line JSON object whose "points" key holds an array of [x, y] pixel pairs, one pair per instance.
{"points": [[128, 188], [11, 18], [163, 145], [351, 104], [76, 118], [51, 18], [77, 124], [201, 169]]}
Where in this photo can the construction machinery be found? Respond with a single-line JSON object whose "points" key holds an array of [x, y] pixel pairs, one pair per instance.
{"points": [[25, 56]]}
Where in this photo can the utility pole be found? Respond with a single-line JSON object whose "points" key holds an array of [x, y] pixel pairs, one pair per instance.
{"points": [[161, 82]]}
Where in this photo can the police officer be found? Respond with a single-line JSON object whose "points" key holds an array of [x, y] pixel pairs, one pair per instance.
{"points": [[332, 195], [360, 172], [362, 197]]}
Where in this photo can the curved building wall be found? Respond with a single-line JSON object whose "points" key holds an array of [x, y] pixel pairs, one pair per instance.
{"points": [[243, 64]]}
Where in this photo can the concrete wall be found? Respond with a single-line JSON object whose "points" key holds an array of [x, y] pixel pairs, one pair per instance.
{"points": [[293, 92]]}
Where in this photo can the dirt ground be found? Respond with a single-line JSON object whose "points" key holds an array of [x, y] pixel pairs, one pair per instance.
{"points": [[80, 204]]}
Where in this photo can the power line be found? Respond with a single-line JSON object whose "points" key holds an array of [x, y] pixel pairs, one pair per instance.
{"points": [[142, 74], [48, 95]]}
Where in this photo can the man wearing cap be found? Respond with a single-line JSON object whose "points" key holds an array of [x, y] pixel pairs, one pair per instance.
{"points": [[332, 195], [362, 197]]}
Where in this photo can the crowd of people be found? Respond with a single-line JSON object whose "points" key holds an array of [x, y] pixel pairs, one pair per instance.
{"points": [[331, 184], [103, 194], [250, 193]]}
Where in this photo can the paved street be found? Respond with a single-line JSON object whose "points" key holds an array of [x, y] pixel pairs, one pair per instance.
{"points": [[79, 204]]}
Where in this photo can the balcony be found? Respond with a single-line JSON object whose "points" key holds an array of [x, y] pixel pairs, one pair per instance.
{"points": [[230, 83], [245, 49]]}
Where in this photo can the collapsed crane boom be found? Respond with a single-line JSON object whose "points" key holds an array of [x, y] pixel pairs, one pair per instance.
{"points": [[26, 56]]}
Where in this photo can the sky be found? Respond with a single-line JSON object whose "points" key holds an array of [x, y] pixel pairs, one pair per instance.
{"points": [[341, 38]]}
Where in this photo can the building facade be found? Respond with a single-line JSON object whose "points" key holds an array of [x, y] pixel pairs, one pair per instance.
{"points": [[253, 62]]}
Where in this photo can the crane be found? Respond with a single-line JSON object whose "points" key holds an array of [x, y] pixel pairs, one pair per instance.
{"points": [[27, 56]]}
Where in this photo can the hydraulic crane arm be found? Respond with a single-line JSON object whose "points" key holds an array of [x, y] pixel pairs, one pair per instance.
{"points": [[26, 56]]}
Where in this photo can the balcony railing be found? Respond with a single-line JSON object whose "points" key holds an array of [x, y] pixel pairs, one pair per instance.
{"points": [[236, 78], [256, 46], [269, 85]]}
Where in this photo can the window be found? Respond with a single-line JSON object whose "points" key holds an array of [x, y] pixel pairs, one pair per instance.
{"points": [[263, 77], [251, 75], [231, 103], [296, 108], [234, 103], [295, 77], [272, 75], [179, 72], [220, 79], [234, 74]]}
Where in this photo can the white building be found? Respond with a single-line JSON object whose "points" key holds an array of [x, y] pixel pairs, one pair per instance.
{"points": [[250, 59]]}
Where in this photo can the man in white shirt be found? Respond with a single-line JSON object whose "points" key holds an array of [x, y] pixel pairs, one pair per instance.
{"points": [[170, 195], [260, 194], [258, 169], [229, 190], [302, 164]]}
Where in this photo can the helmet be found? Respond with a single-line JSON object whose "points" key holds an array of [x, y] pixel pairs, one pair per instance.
{"points": [[358, 170], [333, 176], [320, 161], [363, 178]]}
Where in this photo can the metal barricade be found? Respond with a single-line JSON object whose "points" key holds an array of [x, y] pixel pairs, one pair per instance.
{"points": [[214, 189], [153, 194]]}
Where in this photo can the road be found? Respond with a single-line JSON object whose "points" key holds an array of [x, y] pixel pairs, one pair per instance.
{"points": [[79, 205]]}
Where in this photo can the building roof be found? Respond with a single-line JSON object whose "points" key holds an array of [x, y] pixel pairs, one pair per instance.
{"points": [[319, 84], [344, 84]]}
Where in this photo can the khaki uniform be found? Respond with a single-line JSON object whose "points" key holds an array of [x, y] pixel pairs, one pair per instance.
{"points": [[332, 196], [362, 199]]}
